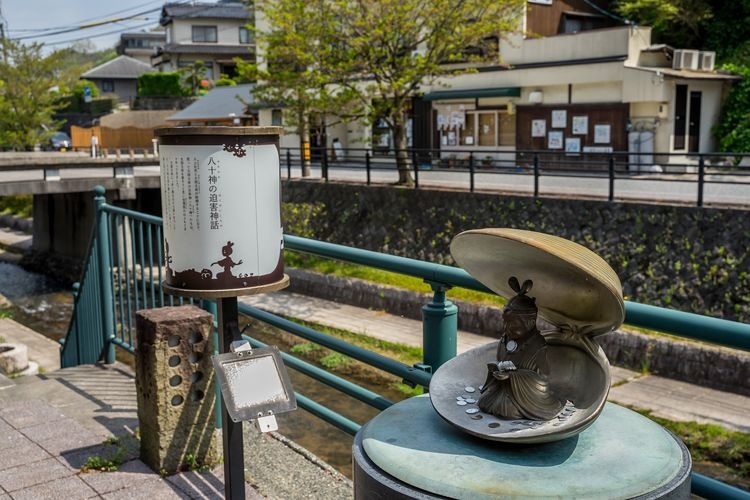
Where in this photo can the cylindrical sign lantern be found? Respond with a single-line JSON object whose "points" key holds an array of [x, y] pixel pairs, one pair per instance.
{"points": [[220, 192]]}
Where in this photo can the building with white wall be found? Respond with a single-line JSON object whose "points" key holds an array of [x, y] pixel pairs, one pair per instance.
{"points": [[214, 33]]}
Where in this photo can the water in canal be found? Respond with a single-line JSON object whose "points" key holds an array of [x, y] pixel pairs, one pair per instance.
{"points": [[45, 305]]}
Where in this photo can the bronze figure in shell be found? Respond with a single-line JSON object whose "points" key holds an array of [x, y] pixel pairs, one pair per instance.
{"points": [[517, 384], [537, 385]]}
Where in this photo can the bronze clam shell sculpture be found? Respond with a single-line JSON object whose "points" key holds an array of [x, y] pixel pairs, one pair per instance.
{"points": [[576, 291]]}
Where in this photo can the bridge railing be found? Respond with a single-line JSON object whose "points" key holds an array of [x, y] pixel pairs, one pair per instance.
{"points": [[124, 271]]}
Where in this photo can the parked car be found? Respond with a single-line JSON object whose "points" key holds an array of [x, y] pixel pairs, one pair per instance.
{"points": [[60, 141]]}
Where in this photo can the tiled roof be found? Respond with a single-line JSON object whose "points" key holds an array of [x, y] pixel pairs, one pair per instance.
{"points": [[221, 10], [196, 48], [119, 67], [218, 104]]}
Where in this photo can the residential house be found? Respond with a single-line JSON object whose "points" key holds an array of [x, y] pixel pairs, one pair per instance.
{"points": [[140, 45], [581, 81], [118, 76], [214, 33]]}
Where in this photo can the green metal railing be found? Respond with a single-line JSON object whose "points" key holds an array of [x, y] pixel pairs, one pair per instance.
{"points": [[124, 270]]}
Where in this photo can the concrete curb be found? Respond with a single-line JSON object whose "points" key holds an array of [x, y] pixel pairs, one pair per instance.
{"points": [[716, 367]]}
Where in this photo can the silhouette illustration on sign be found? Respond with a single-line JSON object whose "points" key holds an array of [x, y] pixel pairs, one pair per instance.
{"points": [[227, 263]]}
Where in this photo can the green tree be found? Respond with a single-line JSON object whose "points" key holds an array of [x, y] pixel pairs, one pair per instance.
{"points": [[680, 23], [294, 66], [733, 130], [27, 102], [386, 50], [192, 75]]}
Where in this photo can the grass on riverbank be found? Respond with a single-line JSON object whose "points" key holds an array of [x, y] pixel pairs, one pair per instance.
{"points": [[347, 270], [713, 444], [21, 205]]}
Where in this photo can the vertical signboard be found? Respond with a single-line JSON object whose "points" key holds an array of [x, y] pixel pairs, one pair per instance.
{"points": [[221, 206]]}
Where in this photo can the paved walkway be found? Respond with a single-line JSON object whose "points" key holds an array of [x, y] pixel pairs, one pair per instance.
{"points": [[50, 425], [665, 397]]}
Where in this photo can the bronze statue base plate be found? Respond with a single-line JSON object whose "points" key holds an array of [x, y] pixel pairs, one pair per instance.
{"points": [[455, 389]]}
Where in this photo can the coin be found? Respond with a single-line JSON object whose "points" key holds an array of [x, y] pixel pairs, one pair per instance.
{"points": [[471, 411], [461, 403], [469, 389], [471, 401]]}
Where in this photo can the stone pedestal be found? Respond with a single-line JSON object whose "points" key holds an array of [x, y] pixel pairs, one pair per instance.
{"points": [[14, 358], [175, 388], [408, 452]]}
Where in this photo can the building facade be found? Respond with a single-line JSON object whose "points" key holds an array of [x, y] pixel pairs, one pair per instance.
{"points": [[118, 77], [140, 46], [214, 33]]}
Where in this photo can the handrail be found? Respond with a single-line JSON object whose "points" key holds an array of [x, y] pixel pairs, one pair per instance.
{"points": [[406, 372], [428, 271]]}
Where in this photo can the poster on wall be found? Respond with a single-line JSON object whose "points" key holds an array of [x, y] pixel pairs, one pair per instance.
{"points": [[572, 146], [601, 134], [580, 125], [555, 139], [538, 128], [458, 119], [559, 118]]}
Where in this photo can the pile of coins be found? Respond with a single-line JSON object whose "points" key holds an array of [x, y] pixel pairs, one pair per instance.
{"points": [[468, 399], [465, 400]]}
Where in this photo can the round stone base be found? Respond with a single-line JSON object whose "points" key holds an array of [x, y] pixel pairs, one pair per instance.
{"points": [[14, 358]]}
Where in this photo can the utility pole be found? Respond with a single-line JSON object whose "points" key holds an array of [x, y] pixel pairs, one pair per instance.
{"points": [[3, 28]]}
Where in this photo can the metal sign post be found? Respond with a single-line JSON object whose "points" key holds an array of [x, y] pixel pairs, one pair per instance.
{"points": [[234, 456]]}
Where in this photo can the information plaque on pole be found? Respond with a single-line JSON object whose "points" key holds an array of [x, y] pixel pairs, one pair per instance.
{"points": [[221, 205]]}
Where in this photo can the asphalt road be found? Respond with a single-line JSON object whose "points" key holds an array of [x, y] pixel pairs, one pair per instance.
{"points": [[683, 188]]}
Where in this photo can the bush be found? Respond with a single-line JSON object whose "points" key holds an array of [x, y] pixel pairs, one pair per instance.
{"points": [[159, 85], [82, 84], [225, 81]]}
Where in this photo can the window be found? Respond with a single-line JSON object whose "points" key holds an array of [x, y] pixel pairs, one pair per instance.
{"points": [[488, 128], [204, 34], [276, 117], [487, 131], [108, 86], [246, 36]]}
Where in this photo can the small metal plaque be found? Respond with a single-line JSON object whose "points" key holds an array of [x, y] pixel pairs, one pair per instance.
{"points": [[254, 383]]}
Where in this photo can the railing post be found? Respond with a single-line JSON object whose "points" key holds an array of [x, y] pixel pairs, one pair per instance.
{"points": [[325, 163], [367, 166], [536, 175], [701, 179], [288, 164], [611, 178], [439, 328], [416, 169], [471, 172], [105, 283]]}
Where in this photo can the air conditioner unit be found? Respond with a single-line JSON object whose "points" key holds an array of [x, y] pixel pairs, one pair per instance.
{"points": [[707, 61], [685, 59]]}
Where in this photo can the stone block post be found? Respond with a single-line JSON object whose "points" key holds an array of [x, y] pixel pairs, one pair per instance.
{"points": [[175, 388]]}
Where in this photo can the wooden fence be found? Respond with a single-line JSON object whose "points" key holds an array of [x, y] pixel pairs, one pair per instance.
{"points": [[113, 138]]}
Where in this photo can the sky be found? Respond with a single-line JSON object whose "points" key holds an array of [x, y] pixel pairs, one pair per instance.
{"points": [[22, 16]]}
